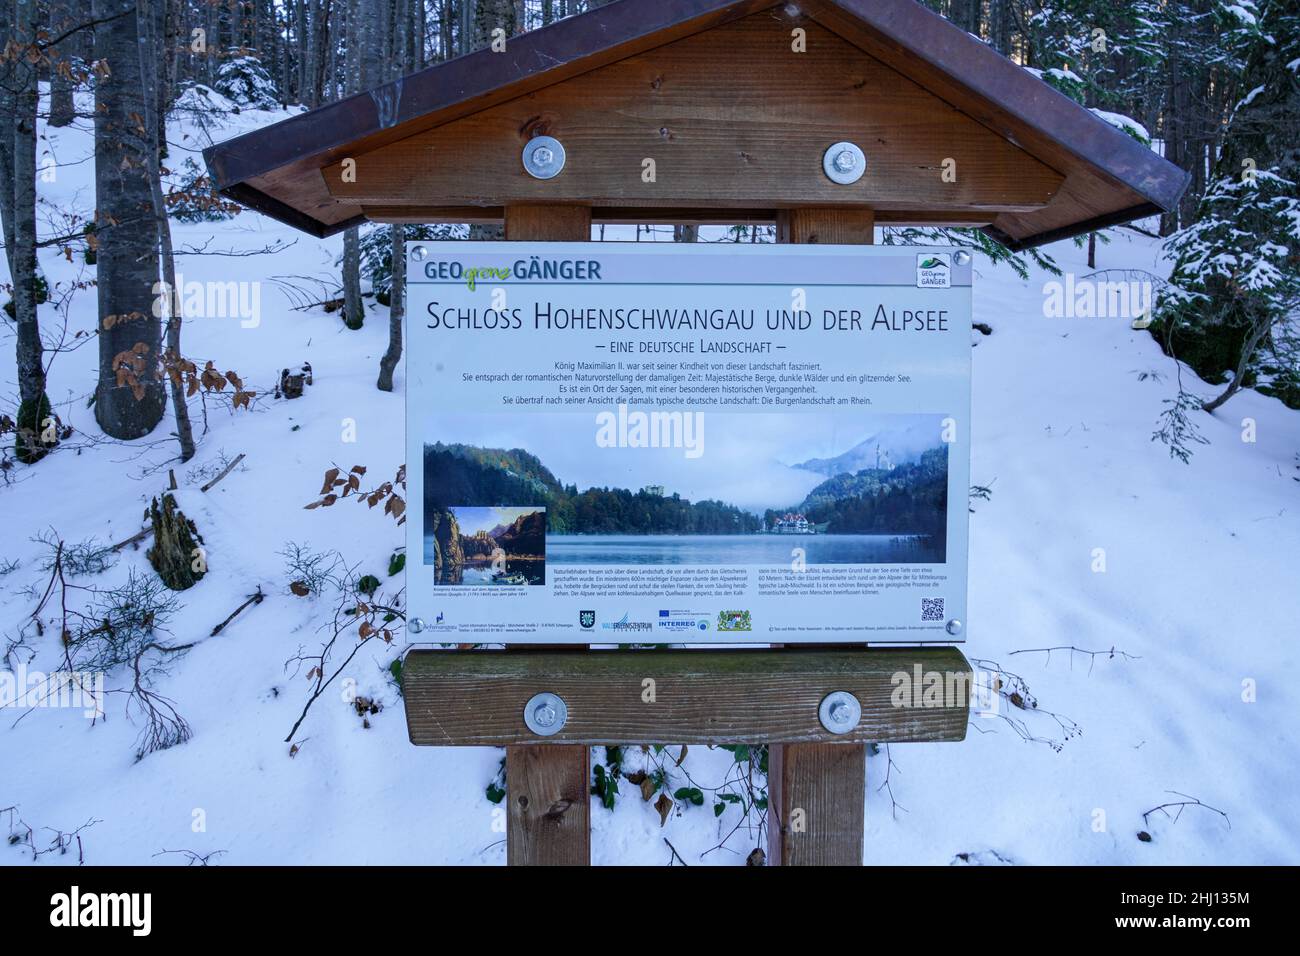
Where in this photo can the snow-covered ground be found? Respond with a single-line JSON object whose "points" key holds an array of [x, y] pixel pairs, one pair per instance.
{"points": [[1200, 593]]}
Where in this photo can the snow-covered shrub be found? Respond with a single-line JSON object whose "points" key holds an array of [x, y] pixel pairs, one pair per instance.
{"points": [[244, 81], [120, 623], [193, 199], [377, 251]]}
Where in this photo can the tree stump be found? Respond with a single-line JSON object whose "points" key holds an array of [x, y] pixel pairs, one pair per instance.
{"points": [[177, 553]]}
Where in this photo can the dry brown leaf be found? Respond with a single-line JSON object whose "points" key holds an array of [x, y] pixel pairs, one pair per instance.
{"points": [[664, 805]]}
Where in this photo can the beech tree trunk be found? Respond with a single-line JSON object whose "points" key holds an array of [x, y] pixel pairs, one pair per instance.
{"points": [[155, 122], [62, 18], [34, 413], [124, 227], [396, 311]]}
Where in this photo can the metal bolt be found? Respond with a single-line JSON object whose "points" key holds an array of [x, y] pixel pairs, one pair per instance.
{"points": [[545, 714], [839, 712], [954, 626], [543, 157], [844, 163], [961, 257], [415, 625], [419, 253]]}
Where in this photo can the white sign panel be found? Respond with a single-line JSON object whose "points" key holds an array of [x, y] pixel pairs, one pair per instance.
{"points": [[655, 443]]}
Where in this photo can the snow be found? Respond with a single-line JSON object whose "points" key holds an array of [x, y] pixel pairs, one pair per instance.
{"points": [[1126, 123], [1199, 589]]}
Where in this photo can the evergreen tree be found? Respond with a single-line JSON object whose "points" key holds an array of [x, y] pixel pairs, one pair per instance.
{"points": [[1235, 286]]}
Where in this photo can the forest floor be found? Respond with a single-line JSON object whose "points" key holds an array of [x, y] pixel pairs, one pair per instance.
{"points": [[1198, 599]]}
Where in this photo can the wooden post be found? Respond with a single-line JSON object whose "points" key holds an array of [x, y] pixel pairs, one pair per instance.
{"points": [[548, 822], [817, 792]]}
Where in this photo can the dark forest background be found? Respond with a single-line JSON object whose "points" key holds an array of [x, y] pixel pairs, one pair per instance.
{"points": [[1213, 84]]}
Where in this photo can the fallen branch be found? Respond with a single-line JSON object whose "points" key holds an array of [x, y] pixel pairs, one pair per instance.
{"points": [[252, 599], [1181, 805], [225, 471], [675, 855], [1110, 654], [138, 536]]}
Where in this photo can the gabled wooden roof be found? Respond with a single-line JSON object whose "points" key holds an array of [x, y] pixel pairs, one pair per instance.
{"points": [[1087, 174]]}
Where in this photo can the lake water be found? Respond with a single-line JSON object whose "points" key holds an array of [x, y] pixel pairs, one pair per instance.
{"points": [[741, 549]]}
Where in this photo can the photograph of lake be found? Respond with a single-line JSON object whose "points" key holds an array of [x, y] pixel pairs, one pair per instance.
{"points": [[745, 489], [736, 550]]}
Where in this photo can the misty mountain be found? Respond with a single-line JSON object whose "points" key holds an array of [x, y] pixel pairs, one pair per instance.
{"points": [[900, 445]]}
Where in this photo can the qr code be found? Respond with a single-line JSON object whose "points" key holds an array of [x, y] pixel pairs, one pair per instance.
{"points": [[932, 609]]}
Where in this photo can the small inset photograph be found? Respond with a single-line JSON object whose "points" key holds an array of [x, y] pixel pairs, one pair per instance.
{"points": [[494, 545]]}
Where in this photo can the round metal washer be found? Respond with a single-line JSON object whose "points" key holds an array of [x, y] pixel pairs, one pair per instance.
{"points": [[844, 163], [839, 712], [545, 714], [543, 157]]}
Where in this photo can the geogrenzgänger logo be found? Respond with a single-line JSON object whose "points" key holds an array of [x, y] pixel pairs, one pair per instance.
{"points": [[532, 269], [933, 270]]}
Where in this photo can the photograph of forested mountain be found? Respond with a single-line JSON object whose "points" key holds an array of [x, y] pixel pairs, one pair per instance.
{"points": [[495, 476]]}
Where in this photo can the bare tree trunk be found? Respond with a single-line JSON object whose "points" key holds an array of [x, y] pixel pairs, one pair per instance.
{"points": [[1253, 338], [155, 100], [34, 413], [62, 111], [396, 311], [125, 229], [399, 62], [360, 38]]}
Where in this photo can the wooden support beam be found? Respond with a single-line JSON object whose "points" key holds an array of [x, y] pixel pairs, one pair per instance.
{"points": [[549, 818], [664, 216], [821, 790], [699, 697], [807, 777], [548, 223]]}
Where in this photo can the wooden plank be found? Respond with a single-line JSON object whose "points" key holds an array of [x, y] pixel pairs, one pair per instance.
{"points": [[548, 788], [1108, 174], [821, 790], [745, 138], [809, 781], [699, 697], [548, 223], [662, 216], [548, 820], [848, 226]]}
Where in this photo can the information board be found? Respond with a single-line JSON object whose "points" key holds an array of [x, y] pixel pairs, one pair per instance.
{"points": [[654, 443]]}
